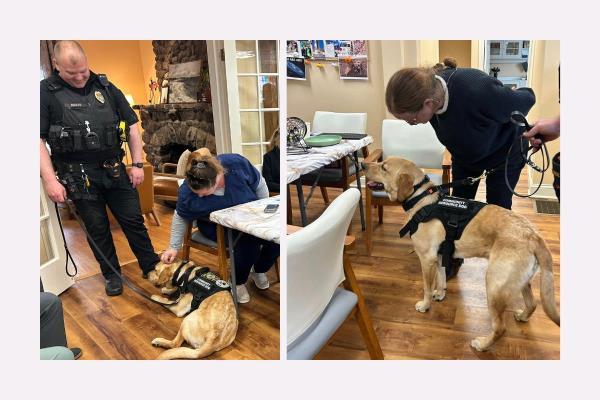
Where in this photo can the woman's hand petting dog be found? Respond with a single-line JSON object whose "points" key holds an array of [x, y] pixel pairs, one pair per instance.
{"points": [[168, 256]]}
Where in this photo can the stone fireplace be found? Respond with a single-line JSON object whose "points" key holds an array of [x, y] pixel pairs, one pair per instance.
{"points": [[171, 128]]}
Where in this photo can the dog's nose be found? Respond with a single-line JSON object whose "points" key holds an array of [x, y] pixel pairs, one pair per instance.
{"points": [[363, 165]]}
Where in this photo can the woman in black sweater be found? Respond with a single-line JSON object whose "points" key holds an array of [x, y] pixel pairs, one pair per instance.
{"points": [[270, 168], [470, 113]]}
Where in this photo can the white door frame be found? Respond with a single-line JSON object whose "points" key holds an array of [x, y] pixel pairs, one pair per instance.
{"points": [[52, 273], [218, 92]]}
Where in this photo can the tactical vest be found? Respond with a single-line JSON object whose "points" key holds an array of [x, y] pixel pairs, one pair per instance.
{"points": [[204, 284], [454, 213], [89, 123]]}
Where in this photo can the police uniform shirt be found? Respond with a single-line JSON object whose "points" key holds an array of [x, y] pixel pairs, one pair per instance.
{"points": [[51, 109]]}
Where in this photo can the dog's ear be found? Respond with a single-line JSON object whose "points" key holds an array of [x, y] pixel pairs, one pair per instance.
{"points": [[404, 188], [165, 275]]}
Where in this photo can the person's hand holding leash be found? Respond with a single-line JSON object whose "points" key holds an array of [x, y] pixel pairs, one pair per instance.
{"points": [[56, 191], [168, 256], [548, 128], [136, 176]]}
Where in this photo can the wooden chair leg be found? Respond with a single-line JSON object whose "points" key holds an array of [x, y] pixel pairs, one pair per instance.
{"points": [[155, 217], [380, 214], [324, 194], [369, 222], [185, 251], [289, 206], [362, 315]]}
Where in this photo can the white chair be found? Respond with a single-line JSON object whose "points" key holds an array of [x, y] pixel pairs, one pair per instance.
{"points": [[332, 122], [417, 143], [341, 173], [317, 306]]}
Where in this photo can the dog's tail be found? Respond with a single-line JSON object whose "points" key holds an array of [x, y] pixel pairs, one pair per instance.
{"points": [[544, 259], [207, 348]]}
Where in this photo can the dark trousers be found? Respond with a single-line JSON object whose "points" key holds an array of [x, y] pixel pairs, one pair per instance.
{"points": [[249, 251], [124, 203], [52, 324], [496, 190]]}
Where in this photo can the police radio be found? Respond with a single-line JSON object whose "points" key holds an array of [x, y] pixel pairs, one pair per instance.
{"points": [[92, 141]]}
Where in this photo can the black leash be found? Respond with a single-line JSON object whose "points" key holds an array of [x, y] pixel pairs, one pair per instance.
{"points": [[91, 240], [69, 256], [517, 118]]}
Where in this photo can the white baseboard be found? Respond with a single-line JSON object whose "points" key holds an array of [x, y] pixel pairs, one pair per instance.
{"points": [[546, 192]]}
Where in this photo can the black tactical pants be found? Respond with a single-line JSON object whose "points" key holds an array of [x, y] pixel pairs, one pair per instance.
{"points": [[124, 203]]}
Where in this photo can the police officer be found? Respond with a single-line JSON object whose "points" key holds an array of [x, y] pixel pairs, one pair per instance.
{"points": [[79, 119]]}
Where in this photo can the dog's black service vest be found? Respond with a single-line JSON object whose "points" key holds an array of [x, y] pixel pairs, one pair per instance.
{"points": [[454, 213], [204, 284]]}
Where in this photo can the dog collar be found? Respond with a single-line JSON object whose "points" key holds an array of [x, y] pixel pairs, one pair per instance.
{"points": [[410, 202]]}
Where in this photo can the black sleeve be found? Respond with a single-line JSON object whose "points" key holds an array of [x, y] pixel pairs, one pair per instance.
{"points": [[125, 111], [44, 111], [267, 172]]}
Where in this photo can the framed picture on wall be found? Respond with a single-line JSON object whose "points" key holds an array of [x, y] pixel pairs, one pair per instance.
{"points": [[354, 68], [296, 68]]}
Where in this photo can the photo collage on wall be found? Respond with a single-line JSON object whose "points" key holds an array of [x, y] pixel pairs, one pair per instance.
{"points": [[351, 56]]}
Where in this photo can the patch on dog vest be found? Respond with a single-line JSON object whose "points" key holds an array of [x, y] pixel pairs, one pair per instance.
{"points": [[454, 203], [204, 285]]}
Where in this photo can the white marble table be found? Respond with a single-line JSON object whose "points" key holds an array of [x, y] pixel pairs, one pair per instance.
{"points": [[317, 158], [251, 218], [248, 218]]}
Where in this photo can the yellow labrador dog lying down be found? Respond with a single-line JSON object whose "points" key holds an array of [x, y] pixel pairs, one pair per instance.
{"points": [[211, 327], [509, 241]]}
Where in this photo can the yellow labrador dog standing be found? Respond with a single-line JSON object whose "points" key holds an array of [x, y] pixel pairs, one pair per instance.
{"points": [[509, 241], [209, 328]]}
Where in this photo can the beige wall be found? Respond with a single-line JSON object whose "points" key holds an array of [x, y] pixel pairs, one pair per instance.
{"points": [[323, 90], [459, 49], [544, 82]]}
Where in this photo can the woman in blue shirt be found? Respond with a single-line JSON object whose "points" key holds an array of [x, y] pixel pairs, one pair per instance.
{"points": [[215, 183]]}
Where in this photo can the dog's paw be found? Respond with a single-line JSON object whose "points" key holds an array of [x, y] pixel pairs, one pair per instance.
{"points": [[421, 306], [156, 342], [478, 345], [521, 316], [439, 295]]}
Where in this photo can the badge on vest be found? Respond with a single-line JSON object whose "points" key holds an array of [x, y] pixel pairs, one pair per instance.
{"points": [[99, 96], [454, 203]]}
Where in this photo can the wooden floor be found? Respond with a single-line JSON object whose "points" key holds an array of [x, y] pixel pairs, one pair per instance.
{"points": [[390, 280], [122, 327]]}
